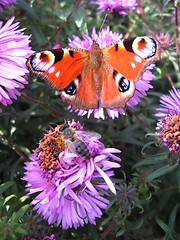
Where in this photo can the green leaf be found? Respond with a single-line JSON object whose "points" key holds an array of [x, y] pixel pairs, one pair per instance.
{"points": [[23, 5], [162, 225], [178, 180], [13, 236], [151, 161], [120, 233], [135, 225], [161, 171], [13, 217], [108, 219], [5, 186], [173, 218], [24, 198], [38, 35], [21, 231], [2, 237], [17, 216], [79, 18], [9, 198]]}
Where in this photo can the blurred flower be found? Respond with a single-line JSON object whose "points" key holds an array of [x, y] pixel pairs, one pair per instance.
{"points": [[6, 4], [126, 197], [14, 50], [119, 6], [52, 237], [104, 38], [168, 126], [71, 187], [140, 180], [165, 40]]}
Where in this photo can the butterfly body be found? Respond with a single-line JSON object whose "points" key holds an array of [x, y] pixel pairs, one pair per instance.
{"points": [[99, 77]]}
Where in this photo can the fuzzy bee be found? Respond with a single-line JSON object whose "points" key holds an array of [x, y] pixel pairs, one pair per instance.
{"points": [[74, 140]]}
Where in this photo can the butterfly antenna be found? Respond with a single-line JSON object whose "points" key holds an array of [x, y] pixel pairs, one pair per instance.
{"points": [[105, 17]]}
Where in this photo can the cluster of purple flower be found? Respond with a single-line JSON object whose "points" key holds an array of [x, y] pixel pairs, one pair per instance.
{"points": [[14, 50], [168, 125], [70, 186]]}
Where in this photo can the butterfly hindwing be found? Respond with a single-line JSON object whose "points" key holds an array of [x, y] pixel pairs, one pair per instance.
{"points": [[116, 90], [85, 93]]}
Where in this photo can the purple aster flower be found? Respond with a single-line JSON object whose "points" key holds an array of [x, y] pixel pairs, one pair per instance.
{"points": [[169, 104], [70, 170], [104, 38], [14, 50], [119, 6], [6, 4], [168, 126]]}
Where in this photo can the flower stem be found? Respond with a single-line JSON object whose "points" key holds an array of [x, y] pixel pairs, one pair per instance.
{"points": [[12, 146], [107, 231], [41, 104], [78, 5], [140, 120], [169, 78]]}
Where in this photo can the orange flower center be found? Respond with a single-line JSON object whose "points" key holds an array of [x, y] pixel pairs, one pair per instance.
{"points": [[171, 132], [48, 151]]}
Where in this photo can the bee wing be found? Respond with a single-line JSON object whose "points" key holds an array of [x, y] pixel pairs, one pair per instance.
{"points": [[69, 146], [88, 134]]}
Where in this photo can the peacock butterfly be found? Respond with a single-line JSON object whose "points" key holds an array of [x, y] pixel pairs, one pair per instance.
{"points": [[106, 76]]}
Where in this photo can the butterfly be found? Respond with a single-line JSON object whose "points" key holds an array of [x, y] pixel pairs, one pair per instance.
{"points": [[105, 76]]}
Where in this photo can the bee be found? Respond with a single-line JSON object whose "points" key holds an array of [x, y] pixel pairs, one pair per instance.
{"points": [[75, 140]]}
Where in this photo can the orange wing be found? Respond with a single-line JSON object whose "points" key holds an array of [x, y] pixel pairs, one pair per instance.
{"points": [[59, 66], [116, 90], [68, 70], [86, 95], [131, 56], [124, 63]]}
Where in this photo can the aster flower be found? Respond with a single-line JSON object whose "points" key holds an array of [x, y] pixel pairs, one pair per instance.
{"points": [[6, 4], [168, 126], [71, 184], [126, 196], [14, 50], [104, 38], [120, 6]]}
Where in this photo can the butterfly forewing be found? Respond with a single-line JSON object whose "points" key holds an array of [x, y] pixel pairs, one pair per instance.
{"points": [[58, 66], [131, 56]]}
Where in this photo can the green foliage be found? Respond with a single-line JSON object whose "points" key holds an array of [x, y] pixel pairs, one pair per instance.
{"points": [[12, 211], [146, 165]]}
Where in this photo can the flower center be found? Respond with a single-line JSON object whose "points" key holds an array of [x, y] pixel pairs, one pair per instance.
{"points": [[171, 132], [48, 151]]}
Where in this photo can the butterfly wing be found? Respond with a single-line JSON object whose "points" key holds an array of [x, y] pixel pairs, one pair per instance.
{"points": [[85, 95], [124, 63], [67, 70], [131, 57], [116, 90], [59, 66]]}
